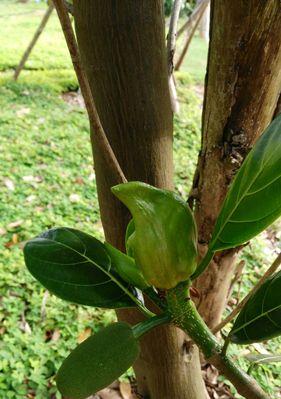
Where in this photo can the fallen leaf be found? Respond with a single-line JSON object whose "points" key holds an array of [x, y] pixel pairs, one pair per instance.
{"points": [[56, 336], [28, 178], [9, 184], [79, 180], [22, 112], [39, 209], [32, 179], [98, 226], [125, 390], [24, 326], [15, 238], [30, 198], [8, 244], [74, 197], [15, 224], [84, 335], [92, 177], [43, 305], [108, 393], [2, 231], [38, 179]]}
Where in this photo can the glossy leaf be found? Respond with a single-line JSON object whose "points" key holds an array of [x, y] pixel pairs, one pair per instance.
{"points": [[76, 267], [164, 243], [126, 267], [260, 318], [254, 199], [98, 361]]}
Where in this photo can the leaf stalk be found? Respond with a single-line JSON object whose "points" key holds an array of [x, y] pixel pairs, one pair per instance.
{"points": [[145, 326]]}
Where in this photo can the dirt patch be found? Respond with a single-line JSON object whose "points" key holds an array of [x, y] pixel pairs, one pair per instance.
{"points": [[74, 98]]}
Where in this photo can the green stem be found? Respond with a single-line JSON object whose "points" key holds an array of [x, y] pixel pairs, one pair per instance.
{"points": [[185, 315], [203, 264], [145, 326]]}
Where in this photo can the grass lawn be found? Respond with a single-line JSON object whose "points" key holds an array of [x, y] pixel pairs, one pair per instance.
{"points": [[47, 179]]}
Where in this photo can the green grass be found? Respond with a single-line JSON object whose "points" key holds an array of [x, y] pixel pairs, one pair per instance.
{"points": [[47, 180]]}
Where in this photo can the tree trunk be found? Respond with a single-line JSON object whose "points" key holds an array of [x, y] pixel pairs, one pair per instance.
{"points": [[122, 44], [242, 88]]}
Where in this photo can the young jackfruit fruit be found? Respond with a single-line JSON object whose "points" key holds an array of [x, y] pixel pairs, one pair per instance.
{"points": [[164, 243]]}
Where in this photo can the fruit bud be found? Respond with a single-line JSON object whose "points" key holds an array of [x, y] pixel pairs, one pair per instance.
{"points": [[164, 243]]}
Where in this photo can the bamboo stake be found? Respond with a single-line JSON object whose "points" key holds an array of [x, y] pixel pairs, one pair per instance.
{"points": [[171, 48], [190, 36], [34, 40], [193, 17]]}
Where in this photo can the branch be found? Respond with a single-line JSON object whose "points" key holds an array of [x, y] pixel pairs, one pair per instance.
{"points": [[272, 269], [185, 316], [172, 35], [95, 123], [171, 48]]}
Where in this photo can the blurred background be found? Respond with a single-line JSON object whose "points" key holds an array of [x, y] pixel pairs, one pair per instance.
{"points": [[47, 179]]}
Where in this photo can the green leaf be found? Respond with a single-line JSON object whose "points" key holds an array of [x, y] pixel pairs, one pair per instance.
{"points": [[263, 359], [254, 199], [126, 267], [76, 267], [98, 361], [129, 237], [260, 318]]}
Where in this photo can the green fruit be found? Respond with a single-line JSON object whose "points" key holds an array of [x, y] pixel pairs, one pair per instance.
{"points": [[164, 243]]}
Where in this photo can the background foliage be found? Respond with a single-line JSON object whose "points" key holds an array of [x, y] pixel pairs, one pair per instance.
{"points": [[186, 8], [47, 180]]}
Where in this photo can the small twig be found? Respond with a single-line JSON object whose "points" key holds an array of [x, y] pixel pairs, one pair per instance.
{"points": [[171, 49], [95, 123], [267, 274]]}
